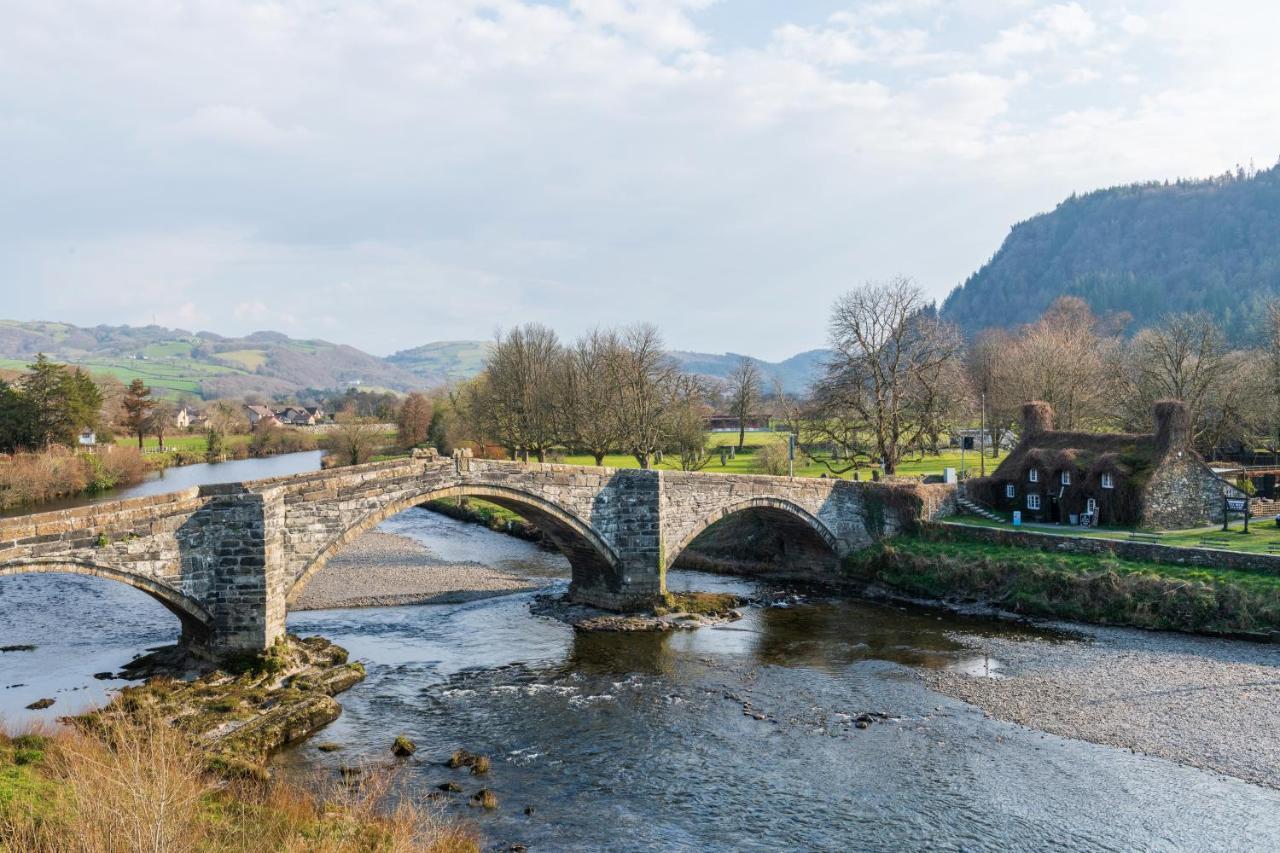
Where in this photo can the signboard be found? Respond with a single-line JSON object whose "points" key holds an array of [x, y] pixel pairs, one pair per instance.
{"points": [[1017, 518], [1237, 504], [966, 443]]}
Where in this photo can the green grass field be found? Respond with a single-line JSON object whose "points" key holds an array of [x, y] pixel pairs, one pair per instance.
{"points": [[196, 443], [745, 462], [1262, 533]]}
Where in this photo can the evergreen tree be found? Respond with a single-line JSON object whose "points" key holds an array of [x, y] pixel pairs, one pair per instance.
{"points": [[137, 405], [17, 420]]}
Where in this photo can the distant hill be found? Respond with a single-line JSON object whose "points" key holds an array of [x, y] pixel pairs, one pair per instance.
{"points": [[270, 363], [443, 361], [202, 363], [795, 373], [1145, 249]]}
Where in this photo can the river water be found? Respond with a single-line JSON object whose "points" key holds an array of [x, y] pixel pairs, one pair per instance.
{"points": [[640, 741], [179, 477]]}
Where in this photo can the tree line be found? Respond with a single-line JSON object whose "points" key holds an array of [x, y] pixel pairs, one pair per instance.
{"points": [[609, 391]]}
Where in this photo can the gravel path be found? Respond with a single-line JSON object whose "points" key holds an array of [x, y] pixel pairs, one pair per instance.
{"points": [[1213, 704], [382, 569]]}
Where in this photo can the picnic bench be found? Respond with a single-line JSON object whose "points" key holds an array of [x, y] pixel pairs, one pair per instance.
{"points": [[1139, 536], [1216, 542]]}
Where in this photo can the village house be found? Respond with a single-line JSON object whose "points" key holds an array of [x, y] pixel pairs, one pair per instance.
{"points": [[1153, 480], [189, 418], [295, 416], [729, 423], [260, 414]]}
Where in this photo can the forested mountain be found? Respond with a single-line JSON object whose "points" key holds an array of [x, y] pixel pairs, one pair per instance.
{"points": [[1145, 249]]}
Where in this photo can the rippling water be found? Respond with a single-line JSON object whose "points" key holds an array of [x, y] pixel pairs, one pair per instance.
{"points": [[640, 742]]}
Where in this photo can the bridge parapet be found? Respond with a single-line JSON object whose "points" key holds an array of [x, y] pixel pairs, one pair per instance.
{"points": [[228, 559]]}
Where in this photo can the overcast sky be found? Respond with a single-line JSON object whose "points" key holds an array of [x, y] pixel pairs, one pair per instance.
{"points": [[387, 174]]}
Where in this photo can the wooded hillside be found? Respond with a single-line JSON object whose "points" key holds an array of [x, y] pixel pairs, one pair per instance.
{"points": [[1144, 249]]}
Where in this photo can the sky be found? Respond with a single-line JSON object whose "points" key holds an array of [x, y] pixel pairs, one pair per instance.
{"points": [[385, 174]]}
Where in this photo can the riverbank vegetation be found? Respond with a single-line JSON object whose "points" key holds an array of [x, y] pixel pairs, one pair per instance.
{"points": [[133, 784], [180, 765], [1087, 588], [31, 478]]}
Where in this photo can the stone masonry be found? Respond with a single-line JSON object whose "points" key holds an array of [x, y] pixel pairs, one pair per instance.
{"points": [[227, 560]]}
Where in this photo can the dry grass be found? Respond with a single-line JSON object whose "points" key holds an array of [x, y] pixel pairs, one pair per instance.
{"points": [[130, 785], [32, 478]]}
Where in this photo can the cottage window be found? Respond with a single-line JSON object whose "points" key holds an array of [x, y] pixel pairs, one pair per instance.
{"points": [[1010, 491], [1033, 501], [1091, 507], [1108, 482], [1066, 478], [1033, 475]]}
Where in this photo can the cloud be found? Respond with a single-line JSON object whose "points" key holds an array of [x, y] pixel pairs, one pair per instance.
{"points": [[236, 125], [386, 173]]}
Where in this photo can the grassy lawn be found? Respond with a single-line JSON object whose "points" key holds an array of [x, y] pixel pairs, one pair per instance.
{"points": [[1262, 533], [745, 461], [198, 443]]}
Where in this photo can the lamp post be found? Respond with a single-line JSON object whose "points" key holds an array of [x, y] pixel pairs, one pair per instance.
{"points": [[982, 439]]}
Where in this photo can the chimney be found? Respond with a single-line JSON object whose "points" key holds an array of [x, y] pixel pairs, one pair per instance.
{"points": [[1173, 425], [1037, 417]]}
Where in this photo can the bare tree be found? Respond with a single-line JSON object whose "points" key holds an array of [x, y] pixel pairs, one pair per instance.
{"points": [[516, 400], [744, 394], [885, 344], [640, 376], [686, 429], [1184, 357], [985, 364], [414, 422], [160, 420], [353, 440], [590, 406], [1064, 359]]}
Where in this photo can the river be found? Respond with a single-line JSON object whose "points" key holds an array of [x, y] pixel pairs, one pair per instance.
{"points": [[641, 742], [179, 477]]}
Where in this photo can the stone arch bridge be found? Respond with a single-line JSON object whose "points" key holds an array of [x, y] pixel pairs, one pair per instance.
{"points": [[228, 560]]}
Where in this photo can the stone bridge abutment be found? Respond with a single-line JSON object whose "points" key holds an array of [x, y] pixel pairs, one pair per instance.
{"points": [[229, 559]]}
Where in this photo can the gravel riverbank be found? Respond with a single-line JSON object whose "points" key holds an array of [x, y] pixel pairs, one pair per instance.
{"points": [[1208, 703], [383, 569]]}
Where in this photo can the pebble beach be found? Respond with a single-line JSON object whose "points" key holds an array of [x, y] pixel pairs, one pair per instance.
{"points": [[383, 569]]}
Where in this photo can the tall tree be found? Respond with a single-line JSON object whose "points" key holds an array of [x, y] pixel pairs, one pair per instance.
{"points": [[641, 377], [885, 345], [137, 405], [17, 420], [591, 416], [744, 394], [522, 391], [1183, 357], [1065, 359]]}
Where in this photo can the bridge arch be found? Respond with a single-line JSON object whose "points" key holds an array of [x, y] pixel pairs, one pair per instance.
{"points": [[590, 556], [788, 515], [197, 623]]}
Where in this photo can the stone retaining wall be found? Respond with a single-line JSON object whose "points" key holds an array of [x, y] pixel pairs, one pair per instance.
{"points": [[1144, 551]]}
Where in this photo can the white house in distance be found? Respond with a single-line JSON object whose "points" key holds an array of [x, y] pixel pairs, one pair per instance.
{"points": [[88, 438], [259, 414]]}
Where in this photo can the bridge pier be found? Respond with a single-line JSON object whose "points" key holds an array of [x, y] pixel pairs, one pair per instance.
{"points": [[234, 544]]}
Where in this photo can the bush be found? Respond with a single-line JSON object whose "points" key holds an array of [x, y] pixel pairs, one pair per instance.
{"points": [[772, 459]]}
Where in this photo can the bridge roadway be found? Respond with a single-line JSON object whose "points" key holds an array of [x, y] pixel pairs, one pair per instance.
{"points": [[228, 560]]}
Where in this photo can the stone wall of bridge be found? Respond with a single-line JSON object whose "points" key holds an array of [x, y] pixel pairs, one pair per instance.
{"points": [[228, 559]]}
